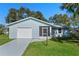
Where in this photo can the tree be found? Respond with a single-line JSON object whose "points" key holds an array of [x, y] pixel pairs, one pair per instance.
{"points": [[60, 19], [11, 17], [29, 12], [73, 9], [17, 14], [2, 28], [38, 15], [22, 13]]}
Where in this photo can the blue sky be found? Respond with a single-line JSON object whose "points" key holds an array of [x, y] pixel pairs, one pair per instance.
{"points": [[48, 9]]}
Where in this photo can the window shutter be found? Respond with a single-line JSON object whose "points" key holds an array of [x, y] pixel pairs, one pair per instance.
{"points": [[49, 31], [40, 31]]}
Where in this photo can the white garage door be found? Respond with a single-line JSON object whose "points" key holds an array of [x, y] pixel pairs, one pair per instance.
{"points": [[24, 33]]}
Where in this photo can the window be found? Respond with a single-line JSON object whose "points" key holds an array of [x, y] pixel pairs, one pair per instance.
{"points": [[59, 30], [44, 31]]}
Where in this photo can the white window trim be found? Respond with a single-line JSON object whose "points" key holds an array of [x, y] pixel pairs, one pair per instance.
{"points": [[43, 32]]}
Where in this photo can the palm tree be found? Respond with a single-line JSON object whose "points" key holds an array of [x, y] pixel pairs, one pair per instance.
{"points": [[72, 8]]}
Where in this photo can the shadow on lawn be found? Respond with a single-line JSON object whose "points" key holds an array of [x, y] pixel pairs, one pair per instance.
{"points": [[57, 40], [45, 43], [65, 39]]}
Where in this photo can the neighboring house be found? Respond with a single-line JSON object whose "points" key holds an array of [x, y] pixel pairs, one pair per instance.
{"points": [[31, 27]]}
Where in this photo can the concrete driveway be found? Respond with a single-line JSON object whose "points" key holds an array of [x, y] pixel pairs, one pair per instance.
{"points": [[15, 47]]}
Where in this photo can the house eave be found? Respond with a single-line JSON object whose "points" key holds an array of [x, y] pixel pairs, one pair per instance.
{"points": [[25, 19]]}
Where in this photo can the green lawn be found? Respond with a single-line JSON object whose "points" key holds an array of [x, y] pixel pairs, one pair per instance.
{"points": [[53, 49], [4, 39]]}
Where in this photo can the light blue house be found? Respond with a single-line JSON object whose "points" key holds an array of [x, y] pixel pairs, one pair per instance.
{"points": [[31, 27]]}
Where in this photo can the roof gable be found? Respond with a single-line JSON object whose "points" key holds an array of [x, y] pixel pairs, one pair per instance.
{"points": [[32, 18]]}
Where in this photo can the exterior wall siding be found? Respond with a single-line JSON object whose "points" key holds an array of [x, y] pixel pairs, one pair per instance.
{"points": [[29, 23]]}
